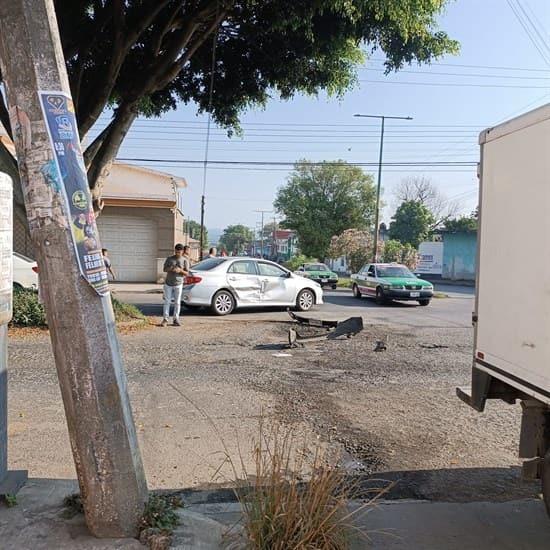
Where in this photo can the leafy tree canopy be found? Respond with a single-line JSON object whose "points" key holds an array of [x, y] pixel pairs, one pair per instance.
{"points": [[411, 223], [143, 57], [395, 251], [323, 199], [235, 238], [354, 244], [467, 224], [194, 231]]}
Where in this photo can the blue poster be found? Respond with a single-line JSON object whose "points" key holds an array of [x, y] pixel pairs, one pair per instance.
{"points": [[63, 131]]}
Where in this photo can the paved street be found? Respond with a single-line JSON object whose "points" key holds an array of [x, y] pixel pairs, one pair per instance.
{"points": [[198, 393], [454, 311]]}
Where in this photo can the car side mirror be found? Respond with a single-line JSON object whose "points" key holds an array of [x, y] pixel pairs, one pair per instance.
{"points": [[288, 275]]}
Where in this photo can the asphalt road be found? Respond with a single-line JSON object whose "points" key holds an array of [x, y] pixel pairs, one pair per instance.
{"points": [[455, 310]]}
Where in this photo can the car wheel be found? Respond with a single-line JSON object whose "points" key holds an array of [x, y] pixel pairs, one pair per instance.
{"points": [[305, 300], [424, 302], [334, 287], [356, 291], [223, 303], [380, 298], [545, 478]]}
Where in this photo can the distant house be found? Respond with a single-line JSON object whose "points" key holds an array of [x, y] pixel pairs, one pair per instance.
{"points": [[286, 245], [459, 255]]}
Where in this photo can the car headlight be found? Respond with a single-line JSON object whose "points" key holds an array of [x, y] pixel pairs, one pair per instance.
{"points": [[386, 287], [429, 287]]}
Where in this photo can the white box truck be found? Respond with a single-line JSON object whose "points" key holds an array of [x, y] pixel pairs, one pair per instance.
{"points": [[512, 308]]}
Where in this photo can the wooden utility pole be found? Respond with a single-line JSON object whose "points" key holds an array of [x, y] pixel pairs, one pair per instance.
{"points": [[72, 277]]}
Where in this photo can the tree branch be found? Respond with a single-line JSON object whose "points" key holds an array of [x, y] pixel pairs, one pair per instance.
{"points": [[92, 106]]}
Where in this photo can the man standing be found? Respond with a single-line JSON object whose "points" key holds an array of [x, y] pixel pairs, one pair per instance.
{"points": [[176, 268], [108, 264]]}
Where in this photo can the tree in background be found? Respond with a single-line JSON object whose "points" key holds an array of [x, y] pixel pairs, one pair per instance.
{"points": [[294, 263], [236, 237], [467, 224], [194, 231], [395, 251], [144, 57], [411, 223], [320, 200], [355, 245], [421, 189]]}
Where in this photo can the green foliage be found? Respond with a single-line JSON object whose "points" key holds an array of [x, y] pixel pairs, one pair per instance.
{"points": [[73, 506], [194, 231], [10, 500], [27, 310], [294, 263], [126, 312], [466, 224], [146, 57], [236, 237], [322, 200], [411, 223], [160, 513], [394, 251]]}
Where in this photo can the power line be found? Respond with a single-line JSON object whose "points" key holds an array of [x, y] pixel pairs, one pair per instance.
{"points": [[455, 84], [464, 75], [293, 163]]}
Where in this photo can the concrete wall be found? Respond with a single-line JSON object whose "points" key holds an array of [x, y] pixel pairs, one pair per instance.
{"points": [[459, 256]]}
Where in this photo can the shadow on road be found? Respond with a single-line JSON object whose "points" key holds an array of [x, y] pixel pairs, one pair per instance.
{"points": [[348, 300]]}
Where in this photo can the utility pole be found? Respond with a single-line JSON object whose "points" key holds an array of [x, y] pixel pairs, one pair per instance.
{"points": [[262, 212], [274, 247], [379, 185], [72, 275]]}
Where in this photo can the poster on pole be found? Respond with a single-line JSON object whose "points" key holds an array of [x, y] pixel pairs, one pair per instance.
{"points": [[60, 121], [6, 238]]}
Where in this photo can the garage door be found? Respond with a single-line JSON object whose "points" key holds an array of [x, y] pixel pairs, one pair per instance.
{"points": [[132, 244]]}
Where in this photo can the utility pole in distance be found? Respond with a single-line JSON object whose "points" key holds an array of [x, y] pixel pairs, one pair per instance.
{"points": [[262, 212], [379, 185], [73, 279]]}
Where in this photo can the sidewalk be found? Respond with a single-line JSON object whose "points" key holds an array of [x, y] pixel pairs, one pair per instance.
{"points": [[146, 288], [37, 523]]}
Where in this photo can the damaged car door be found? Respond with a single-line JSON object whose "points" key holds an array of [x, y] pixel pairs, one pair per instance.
{"points": [[278, 286], [243, 279]]}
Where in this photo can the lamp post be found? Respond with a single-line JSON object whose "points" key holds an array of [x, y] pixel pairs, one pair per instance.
{"points": [[378, 187]]}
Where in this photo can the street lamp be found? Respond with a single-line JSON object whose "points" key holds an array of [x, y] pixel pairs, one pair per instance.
{"points": [[378, 187]]}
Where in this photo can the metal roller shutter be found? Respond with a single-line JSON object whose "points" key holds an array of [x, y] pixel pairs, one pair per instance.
{"points": [[132, 245]]}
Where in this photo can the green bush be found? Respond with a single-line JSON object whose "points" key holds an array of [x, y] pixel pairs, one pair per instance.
{"points": [[294, 263], [27, 310]]}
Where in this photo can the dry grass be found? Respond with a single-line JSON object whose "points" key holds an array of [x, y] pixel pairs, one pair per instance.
{"points": [[297, 498]]}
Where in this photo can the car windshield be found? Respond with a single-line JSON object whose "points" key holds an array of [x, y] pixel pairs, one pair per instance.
{"points": [[316, 267], [208, 264], [393, 271]]}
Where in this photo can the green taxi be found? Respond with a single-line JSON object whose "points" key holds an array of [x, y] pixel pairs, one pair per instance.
{"points": [[319, 273], [386, 282]]}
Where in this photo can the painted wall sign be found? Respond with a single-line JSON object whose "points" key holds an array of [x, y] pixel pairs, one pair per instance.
{"points": [[63, 131], [6, 239]]}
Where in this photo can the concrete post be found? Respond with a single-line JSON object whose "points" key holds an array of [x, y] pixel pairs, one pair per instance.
{"points": [[80, 316]]}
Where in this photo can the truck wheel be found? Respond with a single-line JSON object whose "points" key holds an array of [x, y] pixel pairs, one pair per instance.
{"points": [[546, 481], [380, 298], [356, 291], [424, 302], [223, 303]]}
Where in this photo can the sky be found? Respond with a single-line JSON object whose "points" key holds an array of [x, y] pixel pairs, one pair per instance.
{"points": [[498, 74]]}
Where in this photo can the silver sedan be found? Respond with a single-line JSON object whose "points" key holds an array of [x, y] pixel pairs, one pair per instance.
{"points": [[223, 284]]}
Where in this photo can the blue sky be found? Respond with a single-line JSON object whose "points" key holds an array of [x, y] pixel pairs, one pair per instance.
{"points": [[448, 115]]}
